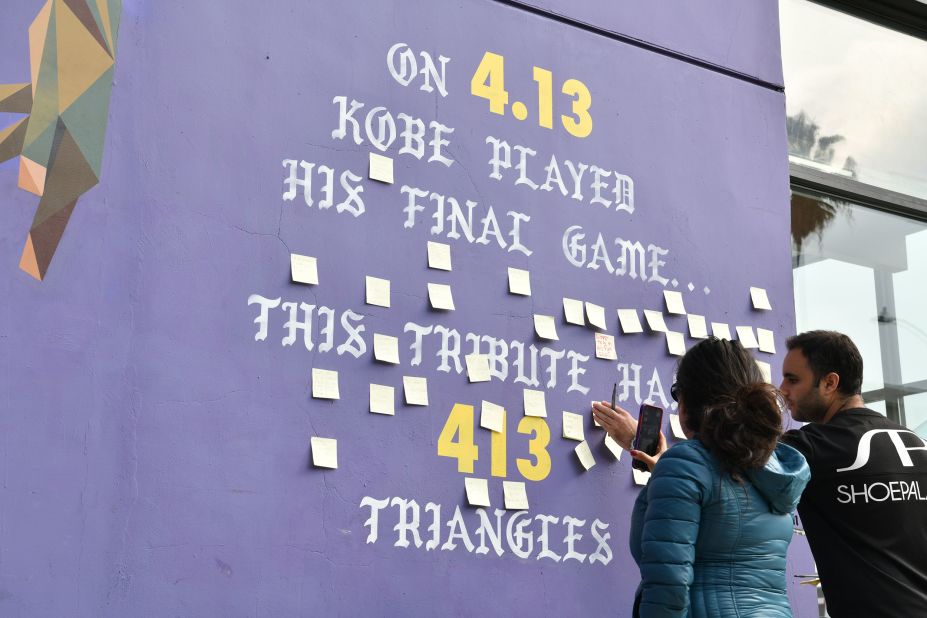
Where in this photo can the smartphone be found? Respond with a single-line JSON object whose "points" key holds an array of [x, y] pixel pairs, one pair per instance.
{"points": [[647, 439]]}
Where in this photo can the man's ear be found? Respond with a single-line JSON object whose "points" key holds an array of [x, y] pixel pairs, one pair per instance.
{"points": [[830, 382]]}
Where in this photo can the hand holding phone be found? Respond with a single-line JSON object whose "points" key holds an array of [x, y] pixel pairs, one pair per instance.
{"points": [[647, 439]]}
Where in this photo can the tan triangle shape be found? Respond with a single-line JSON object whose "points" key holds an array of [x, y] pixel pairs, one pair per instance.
{"points": [[81, 60], [28, 262], [103, 5], [12, 138], [31, 176], [16, 98], [37, 33], [83, 14]]}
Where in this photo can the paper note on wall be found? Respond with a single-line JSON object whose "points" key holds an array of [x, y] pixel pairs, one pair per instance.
{"points": [[439, 255], [519, 281], [324, 452], [605, 347], [674, 302], [698, 329], [535, 403], [378, 291], [324, 384], [304, 269], [573, 426], [515, 495], [760, 299], [545, 326], [584, 454], [573, 311], [416, 390], [477, 367], [382, 399], [440, 296], [492, 416], [630, 321], [596, 315], [381, 168], [386, 348], [477, 491]]}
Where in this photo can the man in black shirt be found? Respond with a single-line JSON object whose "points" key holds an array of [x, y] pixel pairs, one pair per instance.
{"points": [[865, 509]]}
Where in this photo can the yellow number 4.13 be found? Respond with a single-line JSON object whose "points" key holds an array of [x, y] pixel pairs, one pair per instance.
{"points": [[488, 82], [460, 425]]}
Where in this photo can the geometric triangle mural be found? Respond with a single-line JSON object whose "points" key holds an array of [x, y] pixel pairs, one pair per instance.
{"points": [[72, 53]]}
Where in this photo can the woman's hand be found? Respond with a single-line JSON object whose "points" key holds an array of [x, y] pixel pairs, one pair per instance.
{"points": [[651, 461], [620, 425]]}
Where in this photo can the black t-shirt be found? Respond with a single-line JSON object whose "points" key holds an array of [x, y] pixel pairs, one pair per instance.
{"points": [[865, 513]]}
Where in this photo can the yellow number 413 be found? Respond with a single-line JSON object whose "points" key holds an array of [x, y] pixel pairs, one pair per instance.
{"points": [[460, 424]]}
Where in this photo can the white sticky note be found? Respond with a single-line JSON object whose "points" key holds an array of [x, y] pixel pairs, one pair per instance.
{"points": [[573, 311], [477, 367], [324, 384], [674, 302], [698, 329], [545, 326], [304, 269], [378, 291], [519, 281], [439, 255], [382, 399], [515, 495], [760, 299], [594, 420], [614, 447], [605, 347], [596, 315], [477, 491], [416, 390], [746, 337], [584, 453], [630, 321], [381, 168], [573, 426], [535, 403], [655, 321], [386, 348], [492, 417], [640, 477], [675, 343], [324, 452], [721, 330], [765, 370], [767, 340], [676, 427], [440, 296]]}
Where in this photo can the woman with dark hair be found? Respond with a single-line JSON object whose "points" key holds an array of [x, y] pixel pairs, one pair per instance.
{"points": [[711, 529]]}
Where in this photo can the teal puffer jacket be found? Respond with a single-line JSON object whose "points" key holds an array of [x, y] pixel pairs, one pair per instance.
{"points": [[710, 547]]}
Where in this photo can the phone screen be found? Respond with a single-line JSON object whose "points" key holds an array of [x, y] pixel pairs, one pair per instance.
{"points": [[647, 439]]}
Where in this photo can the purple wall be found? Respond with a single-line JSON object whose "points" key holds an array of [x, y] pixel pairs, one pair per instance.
{"points": [[155, 455]]}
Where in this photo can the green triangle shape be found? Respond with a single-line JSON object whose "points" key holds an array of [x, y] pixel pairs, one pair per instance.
{"points": [[115, 16], [87, 117], [95, 11], [40, 134]]}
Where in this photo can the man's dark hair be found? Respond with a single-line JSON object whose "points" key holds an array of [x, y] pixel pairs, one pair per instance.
{"points": [[828, 351]]}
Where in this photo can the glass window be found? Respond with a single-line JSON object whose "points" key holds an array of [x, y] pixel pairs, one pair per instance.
{"points": [[856, 97], [863, 272], [915, 409]]}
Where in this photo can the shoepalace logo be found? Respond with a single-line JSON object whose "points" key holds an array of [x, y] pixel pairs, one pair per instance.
{"points": [[892, 491], [865, 447]]}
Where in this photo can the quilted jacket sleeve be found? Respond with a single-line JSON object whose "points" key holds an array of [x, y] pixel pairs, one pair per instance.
{"points": [[671, 511]]}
